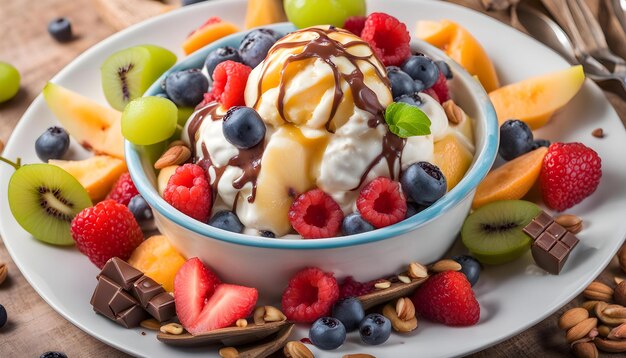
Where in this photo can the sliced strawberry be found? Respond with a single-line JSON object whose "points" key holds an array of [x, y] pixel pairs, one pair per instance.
{"points": [[193, 285], [228, 304]]}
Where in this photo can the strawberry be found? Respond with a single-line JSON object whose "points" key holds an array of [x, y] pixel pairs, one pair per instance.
{"points": [[106, 230], [447, 297], [570, 173], [193, 285], [228, 304]]}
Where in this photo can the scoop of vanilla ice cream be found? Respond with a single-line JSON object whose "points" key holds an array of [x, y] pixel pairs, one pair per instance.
{"points": [[310, 78]]}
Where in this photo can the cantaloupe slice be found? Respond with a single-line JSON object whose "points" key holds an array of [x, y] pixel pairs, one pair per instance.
{"points": [[264, 12], [462, 47], [207, 34], [97, 174], [453, 158], [535, 100], [512, 180], [158, 259]]}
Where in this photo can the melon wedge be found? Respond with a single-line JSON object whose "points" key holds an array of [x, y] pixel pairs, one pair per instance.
{"points": [[453, 158], [264, 12], [535, 100], [512, 180], [95, 127], [207, 34]]}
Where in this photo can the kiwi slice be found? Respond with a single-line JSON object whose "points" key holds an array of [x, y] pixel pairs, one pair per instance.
{"points": [[127, 74], [493, 233], [44, 199]]}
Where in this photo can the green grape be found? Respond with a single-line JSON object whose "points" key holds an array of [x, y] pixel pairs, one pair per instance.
{"points": [[149, 120], [9, 81], [183, 115], [305, 13]]}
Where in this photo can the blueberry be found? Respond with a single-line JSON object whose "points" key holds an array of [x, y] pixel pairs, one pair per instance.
{"points": [[3, 316], [255, 46], [412, 209], [445, 69], [140, 209], [52, 144], [243, 127], [186, 88], [226, 220], [401, 82], [540, 143], [422, 69], [267, 233], [60, 29], [515, 139], [413, 99], [220, 55], [350, 312], [53, 355], [327, 333], [375, 329], [470, 267], [190, 2], [355, 224], [424, 183]]}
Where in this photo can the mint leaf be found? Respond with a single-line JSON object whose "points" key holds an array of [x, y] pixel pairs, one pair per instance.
{"points": [[405, 120]]}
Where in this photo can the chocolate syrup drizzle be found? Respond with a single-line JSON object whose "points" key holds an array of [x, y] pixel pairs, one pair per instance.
{"points": [[210, 111]]}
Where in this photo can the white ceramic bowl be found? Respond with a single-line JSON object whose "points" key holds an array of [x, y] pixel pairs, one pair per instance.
{"points": [[267, 264]]}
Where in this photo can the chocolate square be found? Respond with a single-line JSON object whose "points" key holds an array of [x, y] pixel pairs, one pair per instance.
{"points": [[161, 307], [556, 230], [559, 251], [570, 240], [145, 289], [104, 292], [121, 301], [132, 317], [121, 272], [543, 219], [545, 241], [533, 229]]}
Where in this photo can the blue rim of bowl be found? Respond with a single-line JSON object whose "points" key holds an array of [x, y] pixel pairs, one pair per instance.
{"points": [[472, 178]]}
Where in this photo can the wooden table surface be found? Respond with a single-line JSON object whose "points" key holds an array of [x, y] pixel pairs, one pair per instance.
{"points": [[33, 326]]}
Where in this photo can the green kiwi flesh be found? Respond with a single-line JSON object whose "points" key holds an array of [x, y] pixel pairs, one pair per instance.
{"points": [[44, 199], [493, 233]]}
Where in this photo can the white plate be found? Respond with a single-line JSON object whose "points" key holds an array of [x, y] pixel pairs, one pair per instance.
{"points": [[513, 297]]}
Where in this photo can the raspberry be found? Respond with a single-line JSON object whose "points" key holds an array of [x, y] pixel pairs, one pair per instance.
{"points": [[431, 92], [388, 37], [315, 214], [355, 24], [441, 88], [229, 83], [447, 297], [381, 202], [352, 288], [570, 173], [123, 190], [188, 190], [106, 230], [311, 294]]}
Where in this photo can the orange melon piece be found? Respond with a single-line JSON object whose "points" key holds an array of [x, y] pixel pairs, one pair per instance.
{"points": [[462, 47], [96, 174], [264, 12], [158, 259], [207, 34], [512, 180], [535, 100], [453, 158]]}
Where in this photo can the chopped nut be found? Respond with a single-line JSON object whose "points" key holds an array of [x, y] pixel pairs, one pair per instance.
{"points": [[581, 329], [273, 314], [172, 328], [454, 113], [572, 223], [151, 324], [446, 265], [258, 314], [598, 133], [4, 272], [228, 352], [399, 325], [573, 317], [241, 323], [417, 270], [295, 349], [173, 156], [405, 309], [404, 279], [598, 291], [381, 285]]}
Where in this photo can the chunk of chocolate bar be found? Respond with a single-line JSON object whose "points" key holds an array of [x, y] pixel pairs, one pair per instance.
{"points": [[552, 243], [144, 289], [121, 272], [162, 307], [132, 316], [104, 292]]}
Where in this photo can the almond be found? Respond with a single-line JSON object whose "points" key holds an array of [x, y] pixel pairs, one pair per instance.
{"points": [[589, 305], [258, 315], [619, 294], [610, 346], [175, 155], [405, 309], [585, 350], [454, 113], [581, 329], [228, 352], [611, 315], [381, 285], [295, 349], [572, 223], [618, 332], [241, 323], [604, 330], [172, 328], [598, 291], [4, 272], [573, 317], [417, 270], [151, 324], [273, 314], [399, 325], [404, 279], [446, 265]]}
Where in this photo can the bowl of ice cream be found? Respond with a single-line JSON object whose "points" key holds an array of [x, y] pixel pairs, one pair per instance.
{"points": [[322, 132]]}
